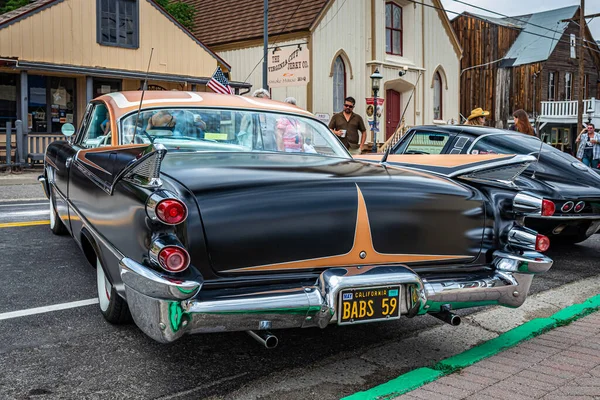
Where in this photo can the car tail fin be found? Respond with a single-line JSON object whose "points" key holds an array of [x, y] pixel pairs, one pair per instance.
{"points": [[497, 172], [144, 169]]}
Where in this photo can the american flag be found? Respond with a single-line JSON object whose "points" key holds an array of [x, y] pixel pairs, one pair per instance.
{"points": [[219, 83]]}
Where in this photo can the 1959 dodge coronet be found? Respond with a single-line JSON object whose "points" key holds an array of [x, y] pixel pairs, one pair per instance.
{"points": [[206, 213]]}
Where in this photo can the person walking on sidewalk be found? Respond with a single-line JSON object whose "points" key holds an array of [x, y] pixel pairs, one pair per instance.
{"points": [[588, 150], [347, 124]]}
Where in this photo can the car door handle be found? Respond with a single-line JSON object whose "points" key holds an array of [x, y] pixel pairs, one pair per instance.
{"points": [[68, 162]]}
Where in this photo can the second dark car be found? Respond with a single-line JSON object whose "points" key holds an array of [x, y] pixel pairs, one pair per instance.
{"points": [[573, 187]]}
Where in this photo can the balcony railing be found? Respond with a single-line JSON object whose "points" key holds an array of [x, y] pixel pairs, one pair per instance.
{"points": [[568, 109]]}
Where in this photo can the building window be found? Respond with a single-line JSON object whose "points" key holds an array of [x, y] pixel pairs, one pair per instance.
{"points": [[51, 103], [437, 96], [551, 86], [393, 29], [117, 23], [339, 84], [568, 86]]}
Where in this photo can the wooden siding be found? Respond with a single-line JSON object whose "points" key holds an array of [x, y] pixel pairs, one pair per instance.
{"points": [[560, 61], [65, 33], [482, 43]]}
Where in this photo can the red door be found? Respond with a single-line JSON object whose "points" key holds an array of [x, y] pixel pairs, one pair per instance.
{"points": [[392, 112]]}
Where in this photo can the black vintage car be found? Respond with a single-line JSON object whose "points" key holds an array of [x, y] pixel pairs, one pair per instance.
{"points": [[206, 213], [573, 187]]}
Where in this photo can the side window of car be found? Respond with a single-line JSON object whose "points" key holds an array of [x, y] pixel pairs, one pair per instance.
{"points": [[460, 145], [97, 129], [489, 146], [427, 143]]}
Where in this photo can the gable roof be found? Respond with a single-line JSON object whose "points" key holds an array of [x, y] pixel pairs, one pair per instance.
{"points": [[23, 12], [534, 43], [40, 5], [221, 22]]}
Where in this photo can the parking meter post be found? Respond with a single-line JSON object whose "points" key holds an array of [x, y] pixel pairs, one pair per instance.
{"points": [[8, 145], [21, 144]]}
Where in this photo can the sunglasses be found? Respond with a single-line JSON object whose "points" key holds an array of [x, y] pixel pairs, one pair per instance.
{"points": [[348, 105]]}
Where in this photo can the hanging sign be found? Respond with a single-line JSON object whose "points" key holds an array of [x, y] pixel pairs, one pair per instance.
{"points": [[288, 66], [371, 111]]}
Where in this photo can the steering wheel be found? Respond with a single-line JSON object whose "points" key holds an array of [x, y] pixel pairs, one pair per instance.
{"points": [[415, 152]]}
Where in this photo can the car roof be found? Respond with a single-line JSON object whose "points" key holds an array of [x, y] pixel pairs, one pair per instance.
{"points": [[473, 130], [121, 103]]}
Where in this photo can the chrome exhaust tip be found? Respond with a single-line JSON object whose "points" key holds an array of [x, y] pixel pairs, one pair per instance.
{"points": [[448, 317], [265, 338]]}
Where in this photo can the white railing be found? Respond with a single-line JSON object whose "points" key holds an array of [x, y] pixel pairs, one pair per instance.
{"points": [[568, 109]]}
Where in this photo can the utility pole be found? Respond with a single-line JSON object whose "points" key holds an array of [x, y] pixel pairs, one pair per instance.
{"points": [[581, 66], [265, 42]]}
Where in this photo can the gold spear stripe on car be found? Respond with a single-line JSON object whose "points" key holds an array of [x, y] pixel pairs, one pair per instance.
{"points": [[363, 244]]}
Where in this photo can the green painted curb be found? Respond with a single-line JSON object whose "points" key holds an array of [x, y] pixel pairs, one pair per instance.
{"points": [[419, 377], [406, 382]]}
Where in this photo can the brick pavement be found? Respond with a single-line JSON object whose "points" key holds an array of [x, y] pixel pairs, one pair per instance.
{"points": [[563, 363]]}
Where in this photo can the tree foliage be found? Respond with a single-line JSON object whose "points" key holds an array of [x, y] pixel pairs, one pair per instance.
{"points": [[13, 5], [183, 13]]}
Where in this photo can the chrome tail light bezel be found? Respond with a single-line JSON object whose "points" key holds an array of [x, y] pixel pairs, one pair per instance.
{"points": [[164, 242], [567, 207], [522, 238], [582, 203], [158, 197]]}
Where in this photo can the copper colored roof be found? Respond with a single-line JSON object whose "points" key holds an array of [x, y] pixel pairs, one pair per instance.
{"points": [[121, 103], [22, 11], [220, 22]]}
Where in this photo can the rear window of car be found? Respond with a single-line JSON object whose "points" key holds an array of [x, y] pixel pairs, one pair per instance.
{"points": [[230, 130], [516, 144], [426, 143]]}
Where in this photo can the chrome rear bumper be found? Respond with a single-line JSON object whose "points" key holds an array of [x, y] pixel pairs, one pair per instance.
{"points": [[165, 309]]}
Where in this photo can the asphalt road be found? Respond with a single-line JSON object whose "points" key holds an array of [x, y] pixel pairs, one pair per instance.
{"points": [[74, 353]]}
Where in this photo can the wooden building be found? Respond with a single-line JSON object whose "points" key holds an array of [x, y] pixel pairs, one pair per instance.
{"points": [[56, 55], [412, 45], [528, 62]]}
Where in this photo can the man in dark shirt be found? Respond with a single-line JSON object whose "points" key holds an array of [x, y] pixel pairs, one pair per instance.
{"points": [[346, 126]]}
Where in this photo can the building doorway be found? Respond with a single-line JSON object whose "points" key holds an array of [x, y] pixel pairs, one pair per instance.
{"points": [[392, 112]]}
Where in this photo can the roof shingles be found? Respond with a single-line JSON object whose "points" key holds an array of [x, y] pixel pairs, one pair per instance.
{"points": [[221, 22]]}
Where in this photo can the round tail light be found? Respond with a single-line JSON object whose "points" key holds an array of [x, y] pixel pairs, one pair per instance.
{"points": [[542, 243], [171, 211], [548, 208], [579, 206], [174, 259], [568, 206]]}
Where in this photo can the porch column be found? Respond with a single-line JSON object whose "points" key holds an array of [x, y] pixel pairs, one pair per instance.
{"points": [[89, 89], [22, 115]]}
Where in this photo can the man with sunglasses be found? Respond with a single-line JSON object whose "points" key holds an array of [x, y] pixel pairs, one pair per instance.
{"points": [[347, 124]]}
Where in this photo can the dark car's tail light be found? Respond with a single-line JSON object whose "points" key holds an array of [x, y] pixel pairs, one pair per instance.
{"points": [[173, 259], [542, 243], [579, 206], [548, 208], [165, 207], [568, 206], [171, 211]]}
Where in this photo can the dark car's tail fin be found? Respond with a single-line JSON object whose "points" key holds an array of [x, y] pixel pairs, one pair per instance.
{"points": [[144, 170], [501, 172]]}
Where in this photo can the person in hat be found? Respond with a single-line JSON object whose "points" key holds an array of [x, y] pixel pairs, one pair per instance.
{"points": [[477, 117]]}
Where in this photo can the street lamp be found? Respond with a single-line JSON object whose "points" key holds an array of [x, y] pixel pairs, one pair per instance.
{"points": [[375, 78]]}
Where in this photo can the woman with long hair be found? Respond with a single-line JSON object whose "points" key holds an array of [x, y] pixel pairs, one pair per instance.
{"points": [[522, 123]]}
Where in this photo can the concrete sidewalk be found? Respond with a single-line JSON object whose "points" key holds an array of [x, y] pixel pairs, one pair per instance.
{"points": [[563, 363], [21, 185]]}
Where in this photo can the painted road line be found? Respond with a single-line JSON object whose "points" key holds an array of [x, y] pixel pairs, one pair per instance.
{"points": [[46, 309], [421, 376], [33, 199], [26, 223], [24, 204], [28, 213]]}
